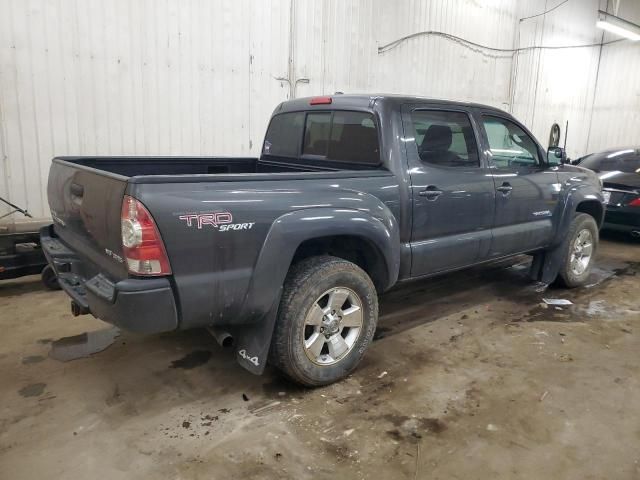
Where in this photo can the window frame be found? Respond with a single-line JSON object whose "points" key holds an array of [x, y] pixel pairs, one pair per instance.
{"points": [[474, 131], [541, 163], [323, 160]]}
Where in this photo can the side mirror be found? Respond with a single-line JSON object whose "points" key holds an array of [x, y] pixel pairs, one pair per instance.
{"points": [[556, 156]]}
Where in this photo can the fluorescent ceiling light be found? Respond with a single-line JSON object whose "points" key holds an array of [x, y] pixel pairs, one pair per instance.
{"points": [[619, 26]]}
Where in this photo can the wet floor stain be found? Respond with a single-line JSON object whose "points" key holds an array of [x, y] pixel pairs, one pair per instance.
{"points": [[596, 307], [603, 273], [32, 359], [84, 345], [193, 359], [413, 428], [543, 313], [33, 390], [630, 270]]}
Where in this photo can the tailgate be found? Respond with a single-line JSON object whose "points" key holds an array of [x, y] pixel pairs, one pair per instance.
{"points": [[85, 206]]}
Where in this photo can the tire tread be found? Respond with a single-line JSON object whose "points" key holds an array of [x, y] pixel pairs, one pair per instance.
{"points": [[299, 279], [580, 220]]}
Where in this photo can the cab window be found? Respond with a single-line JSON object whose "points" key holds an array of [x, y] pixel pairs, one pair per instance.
{"points": [[445, 138], [510, 145]]}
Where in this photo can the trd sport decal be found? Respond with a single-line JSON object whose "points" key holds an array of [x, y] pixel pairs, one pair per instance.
{"points": [[223, 221], [201, 219]]}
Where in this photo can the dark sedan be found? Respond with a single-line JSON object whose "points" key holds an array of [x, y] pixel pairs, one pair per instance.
{"points": [[619, 170]]}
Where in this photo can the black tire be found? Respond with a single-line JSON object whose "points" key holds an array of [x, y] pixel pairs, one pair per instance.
{"points": [[305, 284], [567, 276], [49, 278]]}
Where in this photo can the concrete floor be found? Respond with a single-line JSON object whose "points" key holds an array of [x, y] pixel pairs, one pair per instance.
{"points": [[470, 378]]}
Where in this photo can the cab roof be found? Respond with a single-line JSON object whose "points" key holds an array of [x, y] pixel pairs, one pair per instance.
{"points": [[340, 100]]}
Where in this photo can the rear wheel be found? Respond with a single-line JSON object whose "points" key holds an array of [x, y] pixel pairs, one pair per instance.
{"points": [[327, 318], [579, 251]]}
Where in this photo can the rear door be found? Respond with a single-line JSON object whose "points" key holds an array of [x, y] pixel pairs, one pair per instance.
{"points": [[452, 191], [85, 206], [527, 188]]}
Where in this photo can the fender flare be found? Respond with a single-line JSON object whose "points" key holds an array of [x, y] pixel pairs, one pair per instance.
{"points": [[546, 264], [287, 233], [574, 196]]}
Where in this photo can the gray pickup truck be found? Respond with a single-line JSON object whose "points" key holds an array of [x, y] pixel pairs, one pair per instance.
{"points": [[283, 256]]}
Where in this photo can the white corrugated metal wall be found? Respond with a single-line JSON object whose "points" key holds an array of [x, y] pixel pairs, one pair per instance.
{"points": [[201, 77], [93, 77], [596, 89], [337, 48], [616, 112]]}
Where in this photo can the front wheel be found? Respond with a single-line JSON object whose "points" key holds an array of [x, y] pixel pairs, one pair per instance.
{"points": [[579, 251], [326, 321]]}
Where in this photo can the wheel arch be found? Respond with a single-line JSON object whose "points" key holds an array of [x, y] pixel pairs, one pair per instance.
{"points": [[374, 244], [353, 248], [593, 208], [581, 198]]}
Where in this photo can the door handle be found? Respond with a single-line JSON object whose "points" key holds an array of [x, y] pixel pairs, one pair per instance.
{"points": [[431, 192], [505, 188]]}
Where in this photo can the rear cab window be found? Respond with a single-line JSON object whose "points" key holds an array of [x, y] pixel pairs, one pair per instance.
{"points": [[324, 137], [283, 135]]}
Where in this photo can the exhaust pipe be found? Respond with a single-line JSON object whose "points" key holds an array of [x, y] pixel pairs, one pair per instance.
{"points": [[223, 338], [635, 233]]}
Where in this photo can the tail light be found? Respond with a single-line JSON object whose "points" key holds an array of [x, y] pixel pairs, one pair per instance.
{"points": [[141, 242], [634, 203]]}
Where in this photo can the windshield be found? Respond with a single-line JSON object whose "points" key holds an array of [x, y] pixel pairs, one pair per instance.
{"points": [[627, 161]]}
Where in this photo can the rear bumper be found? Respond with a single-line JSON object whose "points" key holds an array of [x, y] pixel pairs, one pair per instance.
{"points": [[138, 305]]}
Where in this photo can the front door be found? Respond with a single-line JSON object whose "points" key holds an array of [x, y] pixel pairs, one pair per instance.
{"points": [[452, 191], [527, 187]]}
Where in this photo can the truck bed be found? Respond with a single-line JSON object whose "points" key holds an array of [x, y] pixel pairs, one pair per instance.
{"points": [[86, 193], [169, 166]]}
